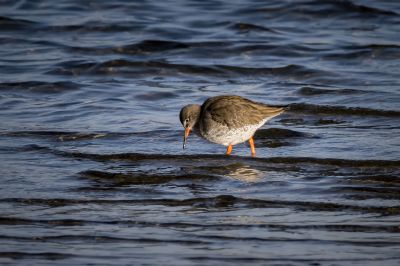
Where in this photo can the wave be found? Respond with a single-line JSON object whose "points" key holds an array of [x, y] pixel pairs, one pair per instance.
{"points": [[341, 110], [149, 46], [348, 6], [202, 49], [310, 91], [103, 239], [15, 255], [382, 180], [374, 228], [365, 193], [155, 96], [97, 26], [229, 48], [323, 9], [7, 24], [279, 137], [280, 133], [110, 239], [213, 157], [369, 51], [144, 47], [18, 40], [76, 136], [141, 178], [163, 68], [223, 201], [40, 86], [246, 27]]}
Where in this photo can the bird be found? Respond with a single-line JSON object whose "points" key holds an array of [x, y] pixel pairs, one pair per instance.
{"points": [[226, 120]]}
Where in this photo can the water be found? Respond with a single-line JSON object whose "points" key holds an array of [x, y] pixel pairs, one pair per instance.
{"points": [[92, 167]]}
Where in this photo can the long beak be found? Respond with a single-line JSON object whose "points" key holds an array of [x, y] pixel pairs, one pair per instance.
{"points": [[185, 136]]}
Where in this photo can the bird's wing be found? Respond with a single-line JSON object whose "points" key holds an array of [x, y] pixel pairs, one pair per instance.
{"points": [[236, 112]]}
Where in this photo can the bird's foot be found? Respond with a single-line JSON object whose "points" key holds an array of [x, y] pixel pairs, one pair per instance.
{"points": [[252, 148], [228, 150]]}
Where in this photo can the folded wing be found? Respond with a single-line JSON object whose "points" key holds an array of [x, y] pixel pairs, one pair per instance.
{"points": [[236, 112]]}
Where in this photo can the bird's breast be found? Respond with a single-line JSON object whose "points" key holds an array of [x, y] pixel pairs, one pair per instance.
{"points": [[222, 134]]}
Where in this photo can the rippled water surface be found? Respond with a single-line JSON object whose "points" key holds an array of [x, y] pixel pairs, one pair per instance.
{"points": [[92, 168]]}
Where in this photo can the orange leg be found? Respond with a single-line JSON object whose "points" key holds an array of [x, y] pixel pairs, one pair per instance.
{"points": [[228, 149], [252, 148]]}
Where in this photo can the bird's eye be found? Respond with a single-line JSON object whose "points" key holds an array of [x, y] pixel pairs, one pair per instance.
{"points": [[187, 120]]}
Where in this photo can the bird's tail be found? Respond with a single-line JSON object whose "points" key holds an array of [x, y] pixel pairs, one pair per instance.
{"points": [[273, 111]]}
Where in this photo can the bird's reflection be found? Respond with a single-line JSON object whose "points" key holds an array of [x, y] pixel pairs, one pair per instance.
{"points": [[238, 171], [245, 173]]}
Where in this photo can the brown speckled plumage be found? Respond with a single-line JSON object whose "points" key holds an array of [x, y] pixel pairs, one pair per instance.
{"points": [[235, 111]]}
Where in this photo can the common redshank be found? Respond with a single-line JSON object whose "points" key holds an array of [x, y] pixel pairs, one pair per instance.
{"points": [[226, 120]]}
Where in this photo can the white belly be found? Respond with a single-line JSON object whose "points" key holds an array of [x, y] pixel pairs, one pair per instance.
{"points": [[229, 136]]}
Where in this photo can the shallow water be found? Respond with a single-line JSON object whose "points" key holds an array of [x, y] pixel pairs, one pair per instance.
{"points": [[92, 167]]}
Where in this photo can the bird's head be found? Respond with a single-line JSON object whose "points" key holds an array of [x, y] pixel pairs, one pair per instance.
{"points": [[189, 117]]}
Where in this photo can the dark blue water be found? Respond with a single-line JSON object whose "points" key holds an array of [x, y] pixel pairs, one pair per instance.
{"points": [[92, 169]]}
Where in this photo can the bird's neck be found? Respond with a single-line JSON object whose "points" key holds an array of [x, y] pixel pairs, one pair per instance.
{"points": [[196, 127]]}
